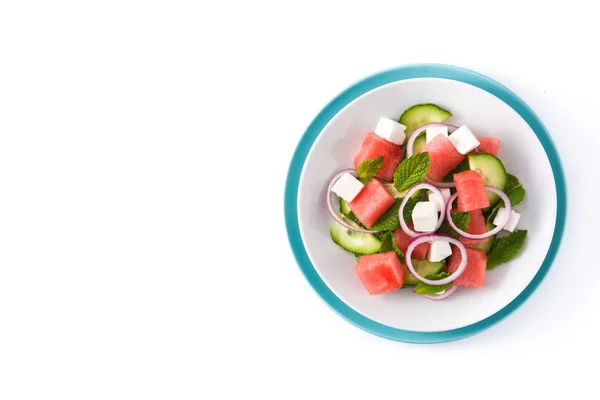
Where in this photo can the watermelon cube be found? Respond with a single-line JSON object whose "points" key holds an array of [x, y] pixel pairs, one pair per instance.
{"points": [[374, 146], [402, 239], [380, 273], [444, 157], [489, 145], [476, 227], [474, 274], [471, 191], [371, 203]]}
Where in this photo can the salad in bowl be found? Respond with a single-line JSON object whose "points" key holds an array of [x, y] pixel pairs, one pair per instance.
{"points": [[427, 206]]}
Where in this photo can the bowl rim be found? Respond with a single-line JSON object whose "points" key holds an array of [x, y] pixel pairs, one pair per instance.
{"points": [[363, 86]]}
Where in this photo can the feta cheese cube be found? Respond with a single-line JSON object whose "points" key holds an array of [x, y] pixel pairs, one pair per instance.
{"points": [[464, 140], [432, 132], [512, 221], [347, 187], [435, 199], [425, 216], [390, 130], [439, 250]]}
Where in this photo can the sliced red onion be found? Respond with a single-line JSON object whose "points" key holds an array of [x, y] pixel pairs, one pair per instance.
{"points": [[420, 130], [430, 238], [486, 235], [332, 211], [449, 292], [412, 190]]}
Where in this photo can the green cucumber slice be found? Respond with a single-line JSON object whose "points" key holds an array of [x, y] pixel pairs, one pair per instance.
{"points": [[393, 191], [422, 114], [423, 268], [354, 242], [492, 170], [419, 143], [344, 207]]}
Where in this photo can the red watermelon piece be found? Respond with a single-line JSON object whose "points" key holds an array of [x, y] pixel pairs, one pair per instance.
{"points": [[474, 274], [380, 273], [476, 227], [402, 239], [371, 203], [444, 157], [471, 191], [489, 145], [373, 146]]}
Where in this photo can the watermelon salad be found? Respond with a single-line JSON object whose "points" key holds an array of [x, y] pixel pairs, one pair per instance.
{"points": [[428, 205]]}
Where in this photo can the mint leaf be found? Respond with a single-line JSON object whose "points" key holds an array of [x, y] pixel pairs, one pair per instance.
{"points": [[411, 171], [506, 248], [511, 183], [387, 243], [460, 219], [396, 249], [355, 219], [516, 195], [463, 166], [368, 169], [420, 195], [424, 288], [389, 221]]}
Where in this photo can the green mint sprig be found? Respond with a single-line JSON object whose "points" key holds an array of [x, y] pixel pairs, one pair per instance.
{"points": [[368, 169], [506, 248], [411, 171]]}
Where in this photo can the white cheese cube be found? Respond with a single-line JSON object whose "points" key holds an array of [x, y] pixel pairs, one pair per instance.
{"points": [[512, 221], [347, 187], [390, 130], [464, 140], [435, 199], [432, 132], [425, 216], [439, 250]]}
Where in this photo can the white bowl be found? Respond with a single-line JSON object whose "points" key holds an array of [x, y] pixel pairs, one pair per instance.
{"points": [[526, 151]]}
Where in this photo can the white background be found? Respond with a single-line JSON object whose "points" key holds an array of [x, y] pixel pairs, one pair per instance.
{"points": [[143, 152]]}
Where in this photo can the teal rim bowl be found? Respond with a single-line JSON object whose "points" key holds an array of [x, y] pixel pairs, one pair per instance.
{"points": [[337, 104]]}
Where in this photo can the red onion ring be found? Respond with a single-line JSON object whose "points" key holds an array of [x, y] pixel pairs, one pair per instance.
{"points": [[412, 190], [330, 208], [429, 238], [486, 235], [411, 142], [442, 296]]}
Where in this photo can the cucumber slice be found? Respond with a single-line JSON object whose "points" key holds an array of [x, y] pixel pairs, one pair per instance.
{"points": [[344, 207], [422, 114], [423, 268], [427, 267], [419, 143], [393, 191], [487, 245], [409, 279], [354, 242], [492, 170]]}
